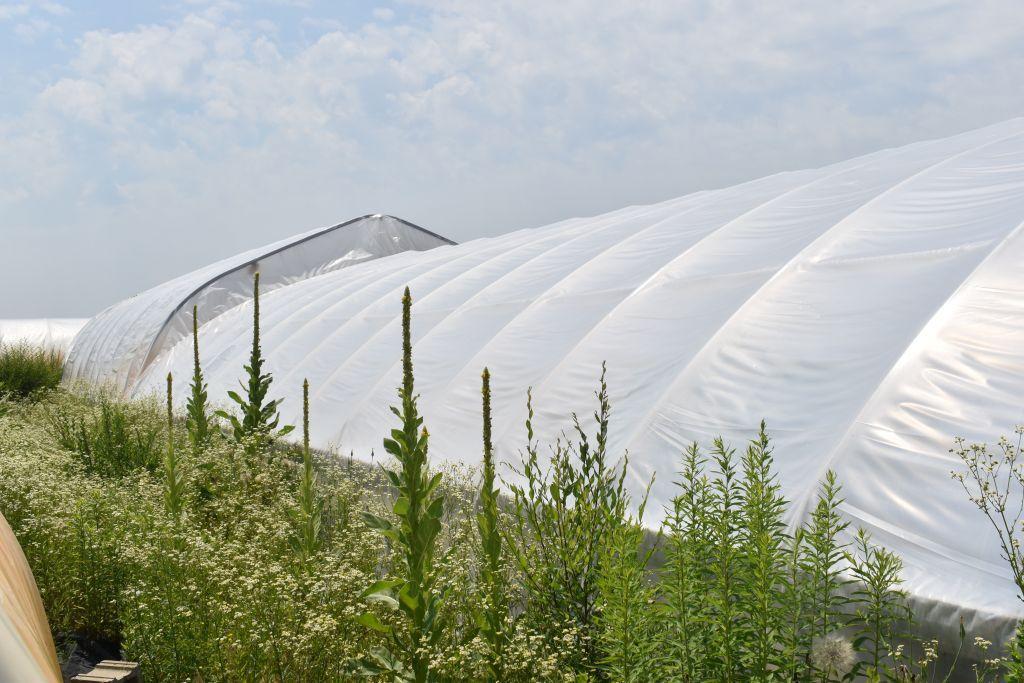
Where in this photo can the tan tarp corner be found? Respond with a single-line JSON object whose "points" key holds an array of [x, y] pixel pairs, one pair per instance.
{"points": [[27, 653]]}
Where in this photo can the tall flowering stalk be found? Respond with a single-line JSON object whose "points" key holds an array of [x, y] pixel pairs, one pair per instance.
{"points": [[259, 417], [174, 482], [197, 419], [417, 509], [309, 515], [491, 617]]}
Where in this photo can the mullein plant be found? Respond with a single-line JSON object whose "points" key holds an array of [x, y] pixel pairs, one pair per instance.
{"points": [[418, 511], [197, 418], [259, 416], [309, 515], [174, 503], [174, 481], [491, 617]]}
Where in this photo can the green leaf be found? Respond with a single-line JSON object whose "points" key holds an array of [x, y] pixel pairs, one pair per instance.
{"points": [[368, 669], [381, 586], [384, 599], [370, 620], [434, 481], [392, 447], [436, 508], [408, 598], [401, 506], [375, 522]]}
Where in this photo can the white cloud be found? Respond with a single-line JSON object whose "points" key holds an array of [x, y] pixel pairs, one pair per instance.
{"points": [[21, 10], [78, 99], [29, 31], [54, 9], [475, 118], [13, 11]]}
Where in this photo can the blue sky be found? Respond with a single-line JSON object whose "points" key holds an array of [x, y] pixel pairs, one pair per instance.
{"points": [[141, 140]]}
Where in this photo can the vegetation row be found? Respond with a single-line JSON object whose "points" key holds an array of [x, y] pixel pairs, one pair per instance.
{"points": [[210, 549]]}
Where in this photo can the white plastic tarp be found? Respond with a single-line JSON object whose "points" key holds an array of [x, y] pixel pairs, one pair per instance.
{"points": [[48, 333], [870, 311]]}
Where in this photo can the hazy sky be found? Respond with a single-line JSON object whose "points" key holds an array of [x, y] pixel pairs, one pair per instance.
{"points": [[138, 141]]}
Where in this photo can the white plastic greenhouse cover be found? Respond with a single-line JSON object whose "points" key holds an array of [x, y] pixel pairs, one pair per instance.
{"points": [[116, 345], [50, 333], [870, 311]]}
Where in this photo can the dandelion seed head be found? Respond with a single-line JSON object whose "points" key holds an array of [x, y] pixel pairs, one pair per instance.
{"points": [[833, 653]]}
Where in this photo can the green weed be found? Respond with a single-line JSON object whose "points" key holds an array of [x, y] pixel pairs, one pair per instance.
{"points": [[26, 370]]}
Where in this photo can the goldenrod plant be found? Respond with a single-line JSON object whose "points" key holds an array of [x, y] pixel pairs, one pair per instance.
{"points": [[1014, 661], [880, 610], [795, 636], [822, 564], [561, 515], [26, 370], [684, 637], [626, 621], [724, 595], [113, 437], [763, 536]]}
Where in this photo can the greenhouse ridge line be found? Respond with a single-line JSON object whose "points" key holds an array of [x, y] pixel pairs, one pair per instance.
{"points": [[150, 352]]}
